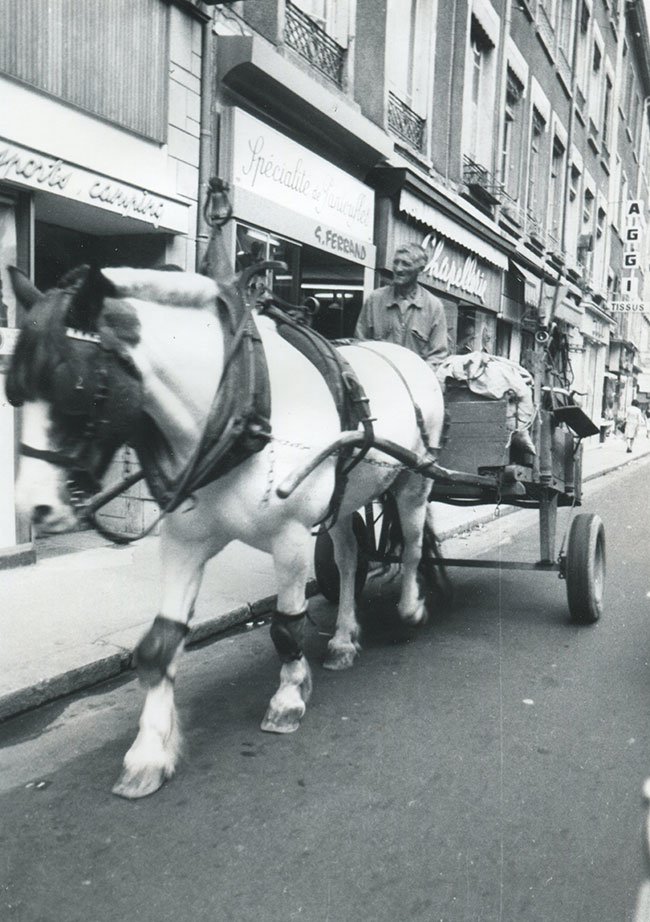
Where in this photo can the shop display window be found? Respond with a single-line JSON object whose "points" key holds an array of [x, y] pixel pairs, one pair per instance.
{"points": [[258, 246], [59, 249], [334, 284]]}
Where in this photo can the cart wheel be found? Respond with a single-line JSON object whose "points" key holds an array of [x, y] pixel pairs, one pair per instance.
{"points": [[585, 568], [327, 574]]}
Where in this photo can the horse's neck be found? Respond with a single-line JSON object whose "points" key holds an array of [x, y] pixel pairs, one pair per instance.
{"points": [[180, 357]]}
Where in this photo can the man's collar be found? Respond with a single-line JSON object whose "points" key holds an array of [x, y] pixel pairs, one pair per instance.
{"points": [[414, 297]]}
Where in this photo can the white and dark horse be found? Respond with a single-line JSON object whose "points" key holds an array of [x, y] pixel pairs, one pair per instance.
{"points": [[112, 354]]}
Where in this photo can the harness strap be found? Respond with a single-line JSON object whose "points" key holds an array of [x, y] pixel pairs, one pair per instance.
{"points": [[349, 397]]}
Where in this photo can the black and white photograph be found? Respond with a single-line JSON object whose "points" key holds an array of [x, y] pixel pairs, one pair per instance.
{"points": [[324, 461]]}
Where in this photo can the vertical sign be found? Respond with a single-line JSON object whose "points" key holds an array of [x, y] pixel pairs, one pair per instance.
{"points": [[632, 249]]}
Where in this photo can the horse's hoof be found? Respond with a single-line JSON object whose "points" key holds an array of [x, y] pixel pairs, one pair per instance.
{"points": [[416, 618], [282, 721], [341, 656], [136, 784]]}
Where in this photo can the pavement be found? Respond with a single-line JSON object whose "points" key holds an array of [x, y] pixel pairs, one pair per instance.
{"points": [[71, 620]]}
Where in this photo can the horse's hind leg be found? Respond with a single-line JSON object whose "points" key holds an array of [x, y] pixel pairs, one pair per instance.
{"points": [[153, 757], [410, 492], [291, 556], [344, 647]]}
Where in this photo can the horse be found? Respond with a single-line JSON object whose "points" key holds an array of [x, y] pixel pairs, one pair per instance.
{"points": [[137, 356]]}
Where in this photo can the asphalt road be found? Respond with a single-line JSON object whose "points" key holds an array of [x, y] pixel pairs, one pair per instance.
{"points": [[486, 768]]}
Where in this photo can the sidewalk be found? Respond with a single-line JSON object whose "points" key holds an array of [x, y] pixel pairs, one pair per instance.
{"points": [[72, 619]]}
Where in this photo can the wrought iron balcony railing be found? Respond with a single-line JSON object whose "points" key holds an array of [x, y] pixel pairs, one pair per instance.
{"points": [[481, 183], [311, 41], [405, 123]]}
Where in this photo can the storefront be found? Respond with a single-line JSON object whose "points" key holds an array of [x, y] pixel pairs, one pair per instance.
{"points": [[294, 206], [462, 269], [595, 335], [55, 215]]}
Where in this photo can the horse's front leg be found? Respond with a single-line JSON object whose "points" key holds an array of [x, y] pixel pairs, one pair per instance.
{"points": [[153, 757], [344, 646], [291, 556], [410, 491]]}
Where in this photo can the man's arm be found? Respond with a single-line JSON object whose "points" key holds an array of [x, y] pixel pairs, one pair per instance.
{"points": [[437, 346]]}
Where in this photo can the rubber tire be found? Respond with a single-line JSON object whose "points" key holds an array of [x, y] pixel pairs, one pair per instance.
{"points": [[325, 569], [585, 568]]}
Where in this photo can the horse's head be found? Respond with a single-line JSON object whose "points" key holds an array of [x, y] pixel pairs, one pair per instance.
{"points": [[80, 396]]}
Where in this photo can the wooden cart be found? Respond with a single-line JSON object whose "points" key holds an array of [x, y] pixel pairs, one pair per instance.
{"points": [[476, 467]]}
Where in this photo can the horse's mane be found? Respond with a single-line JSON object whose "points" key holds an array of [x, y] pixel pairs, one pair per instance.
{"points": [[177, 289]]}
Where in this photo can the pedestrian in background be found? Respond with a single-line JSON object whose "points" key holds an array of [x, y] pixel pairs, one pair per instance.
{"points": [[404, 312], [633, 419]]}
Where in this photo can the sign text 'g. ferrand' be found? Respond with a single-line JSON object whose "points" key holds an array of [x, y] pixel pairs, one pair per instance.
{"points": [[40, 171], [284, 172]]}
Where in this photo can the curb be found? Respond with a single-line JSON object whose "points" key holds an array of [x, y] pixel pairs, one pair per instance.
{"points": [[115, 664], [211, 629]]}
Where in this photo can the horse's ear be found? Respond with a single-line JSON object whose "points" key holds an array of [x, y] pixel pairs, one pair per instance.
{"points": [[26, 293], [88, 299]]}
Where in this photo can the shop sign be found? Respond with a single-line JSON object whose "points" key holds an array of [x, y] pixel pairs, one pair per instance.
{"points": [[284, 172], [38, 171], [632, 249], [332, 240], [455, 271]]}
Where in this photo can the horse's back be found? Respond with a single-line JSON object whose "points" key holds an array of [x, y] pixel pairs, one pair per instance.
{"points": [[394, 379]]}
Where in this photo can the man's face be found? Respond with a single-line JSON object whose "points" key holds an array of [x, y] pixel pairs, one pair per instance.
{"points": [[405, 270]]}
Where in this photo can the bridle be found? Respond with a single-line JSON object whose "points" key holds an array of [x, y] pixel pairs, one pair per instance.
{"points": [[82, 481]]}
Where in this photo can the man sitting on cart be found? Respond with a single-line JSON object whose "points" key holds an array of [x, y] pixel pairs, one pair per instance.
{"points": [[404, 312]]}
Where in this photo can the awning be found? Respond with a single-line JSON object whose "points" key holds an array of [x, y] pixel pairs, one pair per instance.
{"points": [[427, 214], [532, 285]]}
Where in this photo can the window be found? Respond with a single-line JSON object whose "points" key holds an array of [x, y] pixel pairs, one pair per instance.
{"points": [[587, 211], [583, 38], [331, 15], [565, 27], [534, 196], [600, 222], [573, 212], [512, 127], [480, 78], [607, 109], [595, 85], [409, 28], [556, 189], [623, 202]]}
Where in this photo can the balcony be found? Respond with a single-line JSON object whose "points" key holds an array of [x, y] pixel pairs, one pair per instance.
{"points": [[311, 41], [405, 123], [482, 185]]}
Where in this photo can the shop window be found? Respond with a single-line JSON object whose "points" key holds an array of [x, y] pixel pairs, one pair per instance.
{"points": [[58, 249], [337, 286], [477, 331], [504, 338], [334, 284]]}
